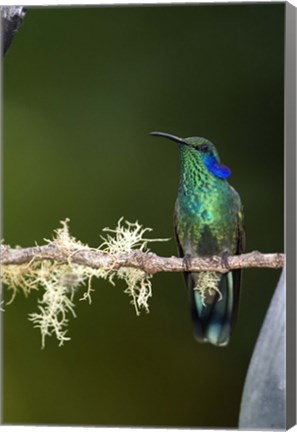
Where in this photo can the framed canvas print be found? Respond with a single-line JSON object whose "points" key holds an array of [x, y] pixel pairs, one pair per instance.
{"points": [[148, 235]]}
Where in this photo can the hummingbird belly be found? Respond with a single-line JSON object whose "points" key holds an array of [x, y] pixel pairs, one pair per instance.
{"points": [[205, 230]]}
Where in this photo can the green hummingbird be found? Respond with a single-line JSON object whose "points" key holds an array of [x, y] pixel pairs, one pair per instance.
{"points": [[208, 221]]}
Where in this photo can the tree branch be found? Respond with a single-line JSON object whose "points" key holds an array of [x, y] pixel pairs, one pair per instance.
{"points": [[65, 263], [147, 261]]}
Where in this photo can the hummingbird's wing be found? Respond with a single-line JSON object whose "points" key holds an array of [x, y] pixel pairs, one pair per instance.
{"points": [[190, 284], [237, 274], [240, 234]]}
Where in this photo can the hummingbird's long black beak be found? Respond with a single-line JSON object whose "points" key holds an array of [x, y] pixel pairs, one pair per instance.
{"points": [[169, 136]]}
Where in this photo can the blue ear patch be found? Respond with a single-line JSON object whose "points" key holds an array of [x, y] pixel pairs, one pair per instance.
{"points": [[219, 170]]}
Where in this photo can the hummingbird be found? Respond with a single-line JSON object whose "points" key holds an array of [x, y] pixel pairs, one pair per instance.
{"points": [[208, 220]]}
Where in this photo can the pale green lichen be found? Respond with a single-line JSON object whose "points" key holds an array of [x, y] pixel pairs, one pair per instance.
{"points": [[60, 282], [56, 302], [127, 237], [208, 285]]}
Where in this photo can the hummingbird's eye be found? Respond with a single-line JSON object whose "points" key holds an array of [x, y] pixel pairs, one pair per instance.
{"points": [[204, 148]]}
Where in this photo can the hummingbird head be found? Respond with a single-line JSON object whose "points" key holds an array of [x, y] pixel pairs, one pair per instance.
{"points": [[201, 151]]}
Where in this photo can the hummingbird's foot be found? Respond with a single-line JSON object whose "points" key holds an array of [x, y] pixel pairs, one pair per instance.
{"points": [[187, 261], [224, 260]]}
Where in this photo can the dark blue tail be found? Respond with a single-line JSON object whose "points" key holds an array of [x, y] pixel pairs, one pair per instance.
{"points": [[213, 322]]}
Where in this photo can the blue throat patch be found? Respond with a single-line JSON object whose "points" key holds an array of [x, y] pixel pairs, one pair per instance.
{"points": [[219, 170]]}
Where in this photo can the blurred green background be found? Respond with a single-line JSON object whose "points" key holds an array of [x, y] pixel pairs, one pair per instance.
{"points": [[83, 87]]}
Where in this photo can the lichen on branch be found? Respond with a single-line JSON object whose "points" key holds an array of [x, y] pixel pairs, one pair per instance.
{"points": [[64, 265], [60, 279]]}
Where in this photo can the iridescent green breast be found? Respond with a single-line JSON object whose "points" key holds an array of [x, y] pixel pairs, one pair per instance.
{"points": [[207, 221]]}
